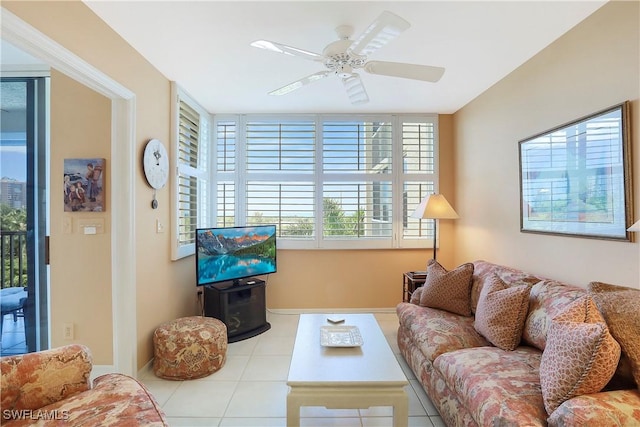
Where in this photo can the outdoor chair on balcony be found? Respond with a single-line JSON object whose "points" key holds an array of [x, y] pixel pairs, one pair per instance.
{"points": [[11, 302]]}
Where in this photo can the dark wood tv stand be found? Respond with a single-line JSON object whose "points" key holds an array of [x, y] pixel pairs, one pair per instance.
{"points": [[241, 306]]}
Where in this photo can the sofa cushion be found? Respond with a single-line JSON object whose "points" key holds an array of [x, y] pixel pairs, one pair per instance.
{"points": [[448, 290], [618, 408], [114, 400], [547, 299], [436, 332], [415, 296], [501, 313], [498, 388], [623, 377], [580, 356], [484, 270], [620, 307]]}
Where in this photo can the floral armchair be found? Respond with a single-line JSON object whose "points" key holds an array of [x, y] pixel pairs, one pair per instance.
{"points": [[53, 387]]}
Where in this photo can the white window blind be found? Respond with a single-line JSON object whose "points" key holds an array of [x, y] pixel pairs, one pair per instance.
{"points": [[279, 166], [356, 147], [190, 196], [188, 148], [281, 146], [357, 187], [357, 210], [226, 146], [288, 205], [327, 181], [418, 147], [419, 179], [226, 205]]}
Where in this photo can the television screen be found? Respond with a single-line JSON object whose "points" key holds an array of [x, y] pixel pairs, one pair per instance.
{"points": [[234, 253]]}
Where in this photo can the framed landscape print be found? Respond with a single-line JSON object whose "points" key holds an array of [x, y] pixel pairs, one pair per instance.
{"points": [[576, 179], [84, 185]]}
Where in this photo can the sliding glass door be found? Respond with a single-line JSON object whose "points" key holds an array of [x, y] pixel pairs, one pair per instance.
{"points": [[23, 207]]}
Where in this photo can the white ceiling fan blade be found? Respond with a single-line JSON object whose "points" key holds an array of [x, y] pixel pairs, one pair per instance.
{"points": [[426, 73], [299, 83], [355, 89], [287, 50], [381, 31]]}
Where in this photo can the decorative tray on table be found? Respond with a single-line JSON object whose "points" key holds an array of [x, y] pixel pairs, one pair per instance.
{"points": [[340, 336]]}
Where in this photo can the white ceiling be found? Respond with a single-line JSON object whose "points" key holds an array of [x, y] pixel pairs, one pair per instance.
{"points": [[204, 46]]}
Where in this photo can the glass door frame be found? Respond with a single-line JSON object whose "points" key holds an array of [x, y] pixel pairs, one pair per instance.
{"points": [[38, 214], [36, 309]]}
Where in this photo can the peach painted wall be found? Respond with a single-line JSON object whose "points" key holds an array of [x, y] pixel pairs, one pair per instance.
{"points": [[341, 279], [80, 268], [592, 67]]}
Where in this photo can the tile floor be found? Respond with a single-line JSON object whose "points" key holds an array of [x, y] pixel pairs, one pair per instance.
{"points": [[13, 340], [250, 390]]}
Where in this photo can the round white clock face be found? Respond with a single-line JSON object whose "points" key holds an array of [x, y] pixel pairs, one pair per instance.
{"points": [[156, 164]]}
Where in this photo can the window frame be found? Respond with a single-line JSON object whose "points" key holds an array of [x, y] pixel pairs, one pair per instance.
{"points": [[397, 178]]}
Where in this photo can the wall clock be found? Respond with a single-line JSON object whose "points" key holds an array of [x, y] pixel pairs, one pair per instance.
{"points": [[155, 162]]}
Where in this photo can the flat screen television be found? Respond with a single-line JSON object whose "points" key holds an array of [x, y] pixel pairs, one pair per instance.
{"points": [[230, 254]]}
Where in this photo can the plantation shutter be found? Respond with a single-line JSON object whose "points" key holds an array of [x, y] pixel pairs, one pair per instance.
{"points": [[191, 190], [280, 165], [226, 156], [358, 185], [339, 181], [187, 180], [419, 167]]}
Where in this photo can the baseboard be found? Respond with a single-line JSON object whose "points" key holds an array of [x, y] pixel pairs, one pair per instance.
{"points": [[332, 310], [148, 367]]}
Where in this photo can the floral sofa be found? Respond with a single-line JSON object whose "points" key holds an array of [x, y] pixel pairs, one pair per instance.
{"points": [[52, 387], [495, 346]]}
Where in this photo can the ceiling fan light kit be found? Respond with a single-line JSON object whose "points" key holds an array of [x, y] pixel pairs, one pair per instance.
{"points": [[344, 56]]}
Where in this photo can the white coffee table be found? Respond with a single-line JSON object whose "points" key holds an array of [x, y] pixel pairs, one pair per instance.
{"points": [[345, 377]]}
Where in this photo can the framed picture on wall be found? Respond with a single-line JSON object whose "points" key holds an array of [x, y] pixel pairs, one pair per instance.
{"points": [[84, 185], [575, 179]]}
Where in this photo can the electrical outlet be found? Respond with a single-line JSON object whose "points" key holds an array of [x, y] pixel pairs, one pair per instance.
{"points": [[159, 226], [67, 331]]}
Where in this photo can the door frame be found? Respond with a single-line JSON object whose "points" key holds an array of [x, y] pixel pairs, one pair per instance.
{"points": [[123, 159]]}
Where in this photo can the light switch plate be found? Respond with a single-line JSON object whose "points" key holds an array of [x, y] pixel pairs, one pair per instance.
{"points": [[91, 225]]}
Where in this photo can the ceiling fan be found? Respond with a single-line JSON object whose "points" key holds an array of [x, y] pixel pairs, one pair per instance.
{"points": [[344, 56]]}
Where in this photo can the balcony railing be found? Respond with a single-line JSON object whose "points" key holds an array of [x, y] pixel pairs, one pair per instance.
{"points": [[13, 255]]}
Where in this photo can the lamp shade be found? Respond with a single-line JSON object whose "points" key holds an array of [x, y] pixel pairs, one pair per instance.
{"points": [[434, 206], [634, 227]]}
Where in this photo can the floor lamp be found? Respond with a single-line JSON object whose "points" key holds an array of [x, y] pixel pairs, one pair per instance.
{"points": [[434, 206]]}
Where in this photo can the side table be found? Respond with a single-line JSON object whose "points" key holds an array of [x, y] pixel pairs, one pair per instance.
{"points": [[410, 281]]}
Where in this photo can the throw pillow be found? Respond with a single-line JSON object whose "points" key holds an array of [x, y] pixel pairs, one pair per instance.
{"points": [[448, 290], [620, 307], [548, 299], [580, 357], [501, 313]]}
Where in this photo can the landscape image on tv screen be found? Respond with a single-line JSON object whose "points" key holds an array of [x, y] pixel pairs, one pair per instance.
{"points": [[233, 253]]}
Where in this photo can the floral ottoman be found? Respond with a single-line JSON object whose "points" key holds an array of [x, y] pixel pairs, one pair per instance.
{"points": [[189, 348]]}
